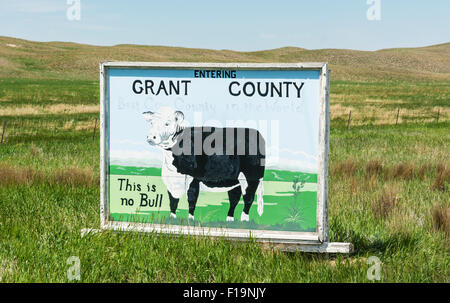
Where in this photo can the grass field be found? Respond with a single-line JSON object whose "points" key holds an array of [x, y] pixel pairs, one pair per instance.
{"points": [[389, 184]]}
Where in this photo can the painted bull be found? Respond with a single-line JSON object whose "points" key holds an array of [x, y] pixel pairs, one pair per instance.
{"points": [[210, 159]]}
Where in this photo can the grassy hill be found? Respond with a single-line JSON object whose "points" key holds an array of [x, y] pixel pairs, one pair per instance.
{"points": [[22, 58], [57, 77]]}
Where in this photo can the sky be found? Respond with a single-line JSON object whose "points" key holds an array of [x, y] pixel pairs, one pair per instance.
{"points": [[237, 25]]}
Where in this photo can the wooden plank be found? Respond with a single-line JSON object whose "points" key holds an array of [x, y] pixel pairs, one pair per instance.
{"points": [[103, 147], [322, 175], [301, 246], [259, 235]]}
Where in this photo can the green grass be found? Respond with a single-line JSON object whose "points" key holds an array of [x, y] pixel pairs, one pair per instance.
{"points": [[19, 92], [269, 175], [393, 94], [40, 222], [43, 212], [41, 142], [38, 237]]}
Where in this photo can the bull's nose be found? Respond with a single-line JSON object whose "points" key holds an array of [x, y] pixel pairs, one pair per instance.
{"points": [[153, 139]]}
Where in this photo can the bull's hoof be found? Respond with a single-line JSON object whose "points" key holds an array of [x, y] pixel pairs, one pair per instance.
{"points": [[172, 215], [245, 217], [230, 219], [191, 217]]}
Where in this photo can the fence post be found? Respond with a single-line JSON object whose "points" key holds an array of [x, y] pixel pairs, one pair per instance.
{"points": [[398, 112], [4, 129], [95, 127], [349, 118], [437, 118]]}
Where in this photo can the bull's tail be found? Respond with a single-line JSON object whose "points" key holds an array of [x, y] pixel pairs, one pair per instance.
{"points": [[259, 194]]}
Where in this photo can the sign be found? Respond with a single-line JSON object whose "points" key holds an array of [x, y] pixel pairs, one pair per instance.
{"points": [[234, 150]]}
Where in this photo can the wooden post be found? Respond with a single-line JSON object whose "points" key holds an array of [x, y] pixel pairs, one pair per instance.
{"points": [[349, 118], [95, 127], [4, 129], [398, 112], [437, 118]]}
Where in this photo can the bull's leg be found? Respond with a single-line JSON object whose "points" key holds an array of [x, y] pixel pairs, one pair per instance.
{"points": [[248, 198], [173, 205], [192, 195], [234, 196]]}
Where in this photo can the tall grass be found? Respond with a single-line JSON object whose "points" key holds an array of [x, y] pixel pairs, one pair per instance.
{"points": [[442, 177], [385, 204], [441, 218], [73, 176]]}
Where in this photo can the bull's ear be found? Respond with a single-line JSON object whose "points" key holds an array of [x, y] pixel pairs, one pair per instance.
{"points": [[148, 115], [179, 116]]}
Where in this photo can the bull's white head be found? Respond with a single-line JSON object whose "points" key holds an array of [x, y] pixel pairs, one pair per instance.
{"points": [[166, 122]]}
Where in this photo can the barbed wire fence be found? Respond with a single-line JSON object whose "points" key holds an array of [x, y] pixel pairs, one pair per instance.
{"points": [[399, 117]]}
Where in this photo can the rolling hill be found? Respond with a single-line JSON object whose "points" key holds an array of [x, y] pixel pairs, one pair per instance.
{"points": [[64, 60]]}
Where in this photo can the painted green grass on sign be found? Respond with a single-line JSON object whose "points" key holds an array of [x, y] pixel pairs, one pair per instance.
{"points": [[284, 215], [269, 174], [134, 170], [145, 199]]}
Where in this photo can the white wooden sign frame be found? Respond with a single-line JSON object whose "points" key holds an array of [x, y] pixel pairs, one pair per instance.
{"points": [[310, 242]]}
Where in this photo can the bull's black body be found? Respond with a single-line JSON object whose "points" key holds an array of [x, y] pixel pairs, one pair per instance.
{"points": [[241, 150]]}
